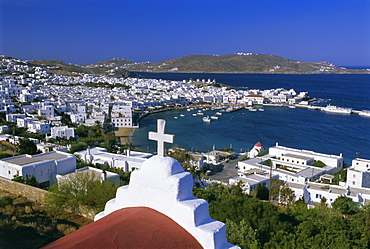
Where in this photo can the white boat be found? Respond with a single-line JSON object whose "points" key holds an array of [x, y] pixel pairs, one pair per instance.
{"points": [[182, 115], [336, 109], [365, 113], [206, 119], [252, 109], [261, 109], [218, 113], [214, 117], [291, 106], [194, 114], [200, 113], [175, 117]]}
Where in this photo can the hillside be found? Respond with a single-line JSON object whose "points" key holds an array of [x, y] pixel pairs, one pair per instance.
{"points": [[239, 63], [62, 68]]}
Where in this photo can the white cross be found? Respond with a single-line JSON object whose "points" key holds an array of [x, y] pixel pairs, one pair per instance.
{"points": [[160, 137]]}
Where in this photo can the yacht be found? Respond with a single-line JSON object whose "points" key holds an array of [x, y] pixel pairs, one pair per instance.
{"points": [[214, 117], [336, 109]]}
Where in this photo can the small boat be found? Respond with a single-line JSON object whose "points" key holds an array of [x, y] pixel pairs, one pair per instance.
{"points": [[261, 110], [252, 109], [182, 115], [206, 119], [214, 117], [200, 113], [175, 117], [218, 113], [194, 114], [291, 106]]}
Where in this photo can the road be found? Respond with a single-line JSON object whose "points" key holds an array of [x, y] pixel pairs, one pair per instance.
{"points": [[225, 171]]}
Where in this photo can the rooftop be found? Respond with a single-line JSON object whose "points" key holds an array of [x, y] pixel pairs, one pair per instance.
{"points": [[24, 160]]}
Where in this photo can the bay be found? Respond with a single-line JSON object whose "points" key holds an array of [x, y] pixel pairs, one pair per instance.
{"points": [[297, 128]]}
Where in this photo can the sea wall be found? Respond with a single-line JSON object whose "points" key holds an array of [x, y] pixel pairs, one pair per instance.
{"points": [[16, 188]]}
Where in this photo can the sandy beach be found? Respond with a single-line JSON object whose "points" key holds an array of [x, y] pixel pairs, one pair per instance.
{"points": [[124, 134]]}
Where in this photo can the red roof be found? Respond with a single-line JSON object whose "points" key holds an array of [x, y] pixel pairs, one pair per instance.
{"points": [[258, 144], [135, 227]]}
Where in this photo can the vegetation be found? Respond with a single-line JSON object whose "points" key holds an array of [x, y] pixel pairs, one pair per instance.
{"points": [[82, 191], [252, 223], [319, 164], [26, 146], [28, 225], [227, 149]]}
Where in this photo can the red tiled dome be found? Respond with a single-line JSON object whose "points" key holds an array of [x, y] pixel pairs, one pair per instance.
{"points": [[258, 144], [134, 227]]}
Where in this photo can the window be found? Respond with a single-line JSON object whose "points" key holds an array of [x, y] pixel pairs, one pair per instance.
{"points": [[9, 172], [353, 182], [354, 176], [41, 173]]}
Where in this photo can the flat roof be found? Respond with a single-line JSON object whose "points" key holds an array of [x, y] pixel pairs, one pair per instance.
{"points": [[297, 156], [23, 160]]}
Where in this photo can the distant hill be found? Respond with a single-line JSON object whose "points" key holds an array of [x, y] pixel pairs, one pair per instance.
{"points": [[62, 68], [239, 63]]}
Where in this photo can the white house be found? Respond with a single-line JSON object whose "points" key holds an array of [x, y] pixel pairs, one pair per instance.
{"points": [[39, 127], [132, 160], [101, 174], [62, 132], [46, 111], [358, 175], [43, 166]]}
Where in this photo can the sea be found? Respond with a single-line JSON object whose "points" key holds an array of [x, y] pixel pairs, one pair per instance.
{"points": [[300, 128]]}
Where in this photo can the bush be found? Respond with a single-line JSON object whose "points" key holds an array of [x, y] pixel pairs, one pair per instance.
{"points": [[5, 201]]}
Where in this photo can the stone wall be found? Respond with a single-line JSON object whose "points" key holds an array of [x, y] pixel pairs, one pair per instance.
{"points": [[31, 193]]}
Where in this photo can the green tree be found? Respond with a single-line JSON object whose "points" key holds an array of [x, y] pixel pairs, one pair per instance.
{"points": [[83, 189], [77, 146], [261, 192], [345, 205], [241, 234], [286, 196], [275, 185], [26, 146]]}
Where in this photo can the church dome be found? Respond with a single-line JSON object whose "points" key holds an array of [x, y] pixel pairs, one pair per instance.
{"points": [[258, 144]]}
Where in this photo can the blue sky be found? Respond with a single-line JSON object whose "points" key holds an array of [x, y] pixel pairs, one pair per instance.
{"points": [[88, 31]]}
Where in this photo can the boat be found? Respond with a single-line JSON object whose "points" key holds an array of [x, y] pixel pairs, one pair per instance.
{"points": [[194, 114], [261, 109], [200, 113], [292, 106], [175, 117], [214, 117], [252, 109], [182, 115], [206, 119], [365, 113], [336, 109], [218, 113]]}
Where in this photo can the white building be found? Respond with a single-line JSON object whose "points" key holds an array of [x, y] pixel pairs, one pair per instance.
{"points": [[62, 132], [358, 175], [132, 160], [99, 173], [293, 165], [46, 111], [44, 166], [24, 122], [39, 127], [252, 178]]}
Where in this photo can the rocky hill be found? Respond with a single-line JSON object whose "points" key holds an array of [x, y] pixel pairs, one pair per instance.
{"points": [[62, 68], [239, 63]]}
